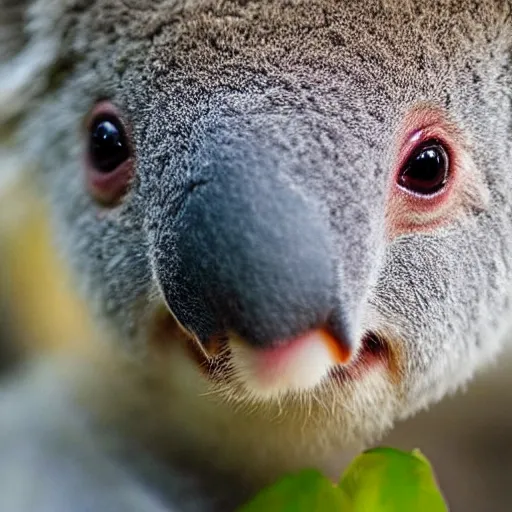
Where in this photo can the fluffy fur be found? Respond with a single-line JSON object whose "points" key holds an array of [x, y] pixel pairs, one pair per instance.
{"points": [[310, 96]]}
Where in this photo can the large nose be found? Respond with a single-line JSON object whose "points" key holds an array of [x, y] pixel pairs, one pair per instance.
{"points": [[248, 253]]}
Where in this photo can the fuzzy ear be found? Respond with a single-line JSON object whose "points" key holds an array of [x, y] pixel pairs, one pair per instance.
{"points": [[30, 44], [29, 47], [12, 38]]}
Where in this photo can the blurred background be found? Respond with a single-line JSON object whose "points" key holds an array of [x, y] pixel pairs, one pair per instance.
{"points": [[467, 437]]}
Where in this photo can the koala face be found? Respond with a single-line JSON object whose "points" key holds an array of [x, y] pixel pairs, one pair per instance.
{"points": [[310, 202]]}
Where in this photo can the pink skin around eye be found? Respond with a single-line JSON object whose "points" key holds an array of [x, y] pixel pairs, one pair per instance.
{"points": [[107, 187], [408, 211]]}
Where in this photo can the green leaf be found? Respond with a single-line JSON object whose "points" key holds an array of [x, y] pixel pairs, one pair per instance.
{"points": [[385, 479], [306, 491]]}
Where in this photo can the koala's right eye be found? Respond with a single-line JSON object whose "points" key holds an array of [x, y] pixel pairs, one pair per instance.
{"points": [[109, 159], [108, 145]]}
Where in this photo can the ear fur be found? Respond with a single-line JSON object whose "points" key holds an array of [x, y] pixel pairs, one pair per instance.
{"points": [[30, 43], [29, 48]]}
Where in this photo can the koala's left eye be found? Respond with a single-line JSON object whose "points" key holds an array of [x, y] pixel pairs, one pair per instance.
{"points": [[109, 159], [426, 170]]}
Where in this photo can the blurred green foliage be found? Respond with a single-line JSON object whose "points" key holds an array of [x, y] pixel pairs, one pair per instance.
{"points": [[381, 480]]}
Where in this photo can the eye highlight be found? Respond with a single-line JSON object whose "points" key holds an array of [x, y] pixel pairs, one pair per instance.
{"points": [[426, 171], [109, 156]]}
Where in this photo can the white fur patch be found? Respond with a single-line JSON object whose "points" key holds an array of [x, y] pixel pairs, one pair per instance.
{"points": [[295, 367]]}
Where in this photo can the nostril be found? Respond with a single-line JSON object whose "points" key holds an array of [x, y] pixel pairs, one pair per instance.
{"points": [[374, 347], [194, 185], [338, 326]]}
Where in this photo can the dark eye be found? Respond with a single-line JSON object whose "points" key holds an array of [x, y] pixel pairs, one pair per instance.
{"points": [[108, 145], [109, 162], [427, 169]]}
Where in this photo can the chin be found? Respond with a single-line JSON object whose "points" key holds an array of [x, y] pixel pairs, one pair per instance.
{"points": [[300, 402]]}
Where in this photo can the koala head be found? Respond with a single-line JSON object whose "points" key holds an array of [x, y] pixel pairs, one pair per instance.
{"points": [[306, 204]]}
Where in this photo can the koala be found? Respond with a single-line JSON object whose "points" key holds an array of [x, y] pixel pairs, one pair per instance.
{"points": [[291, 221]]}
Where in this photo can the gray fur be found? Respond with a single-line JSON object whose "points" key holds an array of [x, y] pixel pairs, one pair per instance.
{"points": [[312, 94], [236, 259]]}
